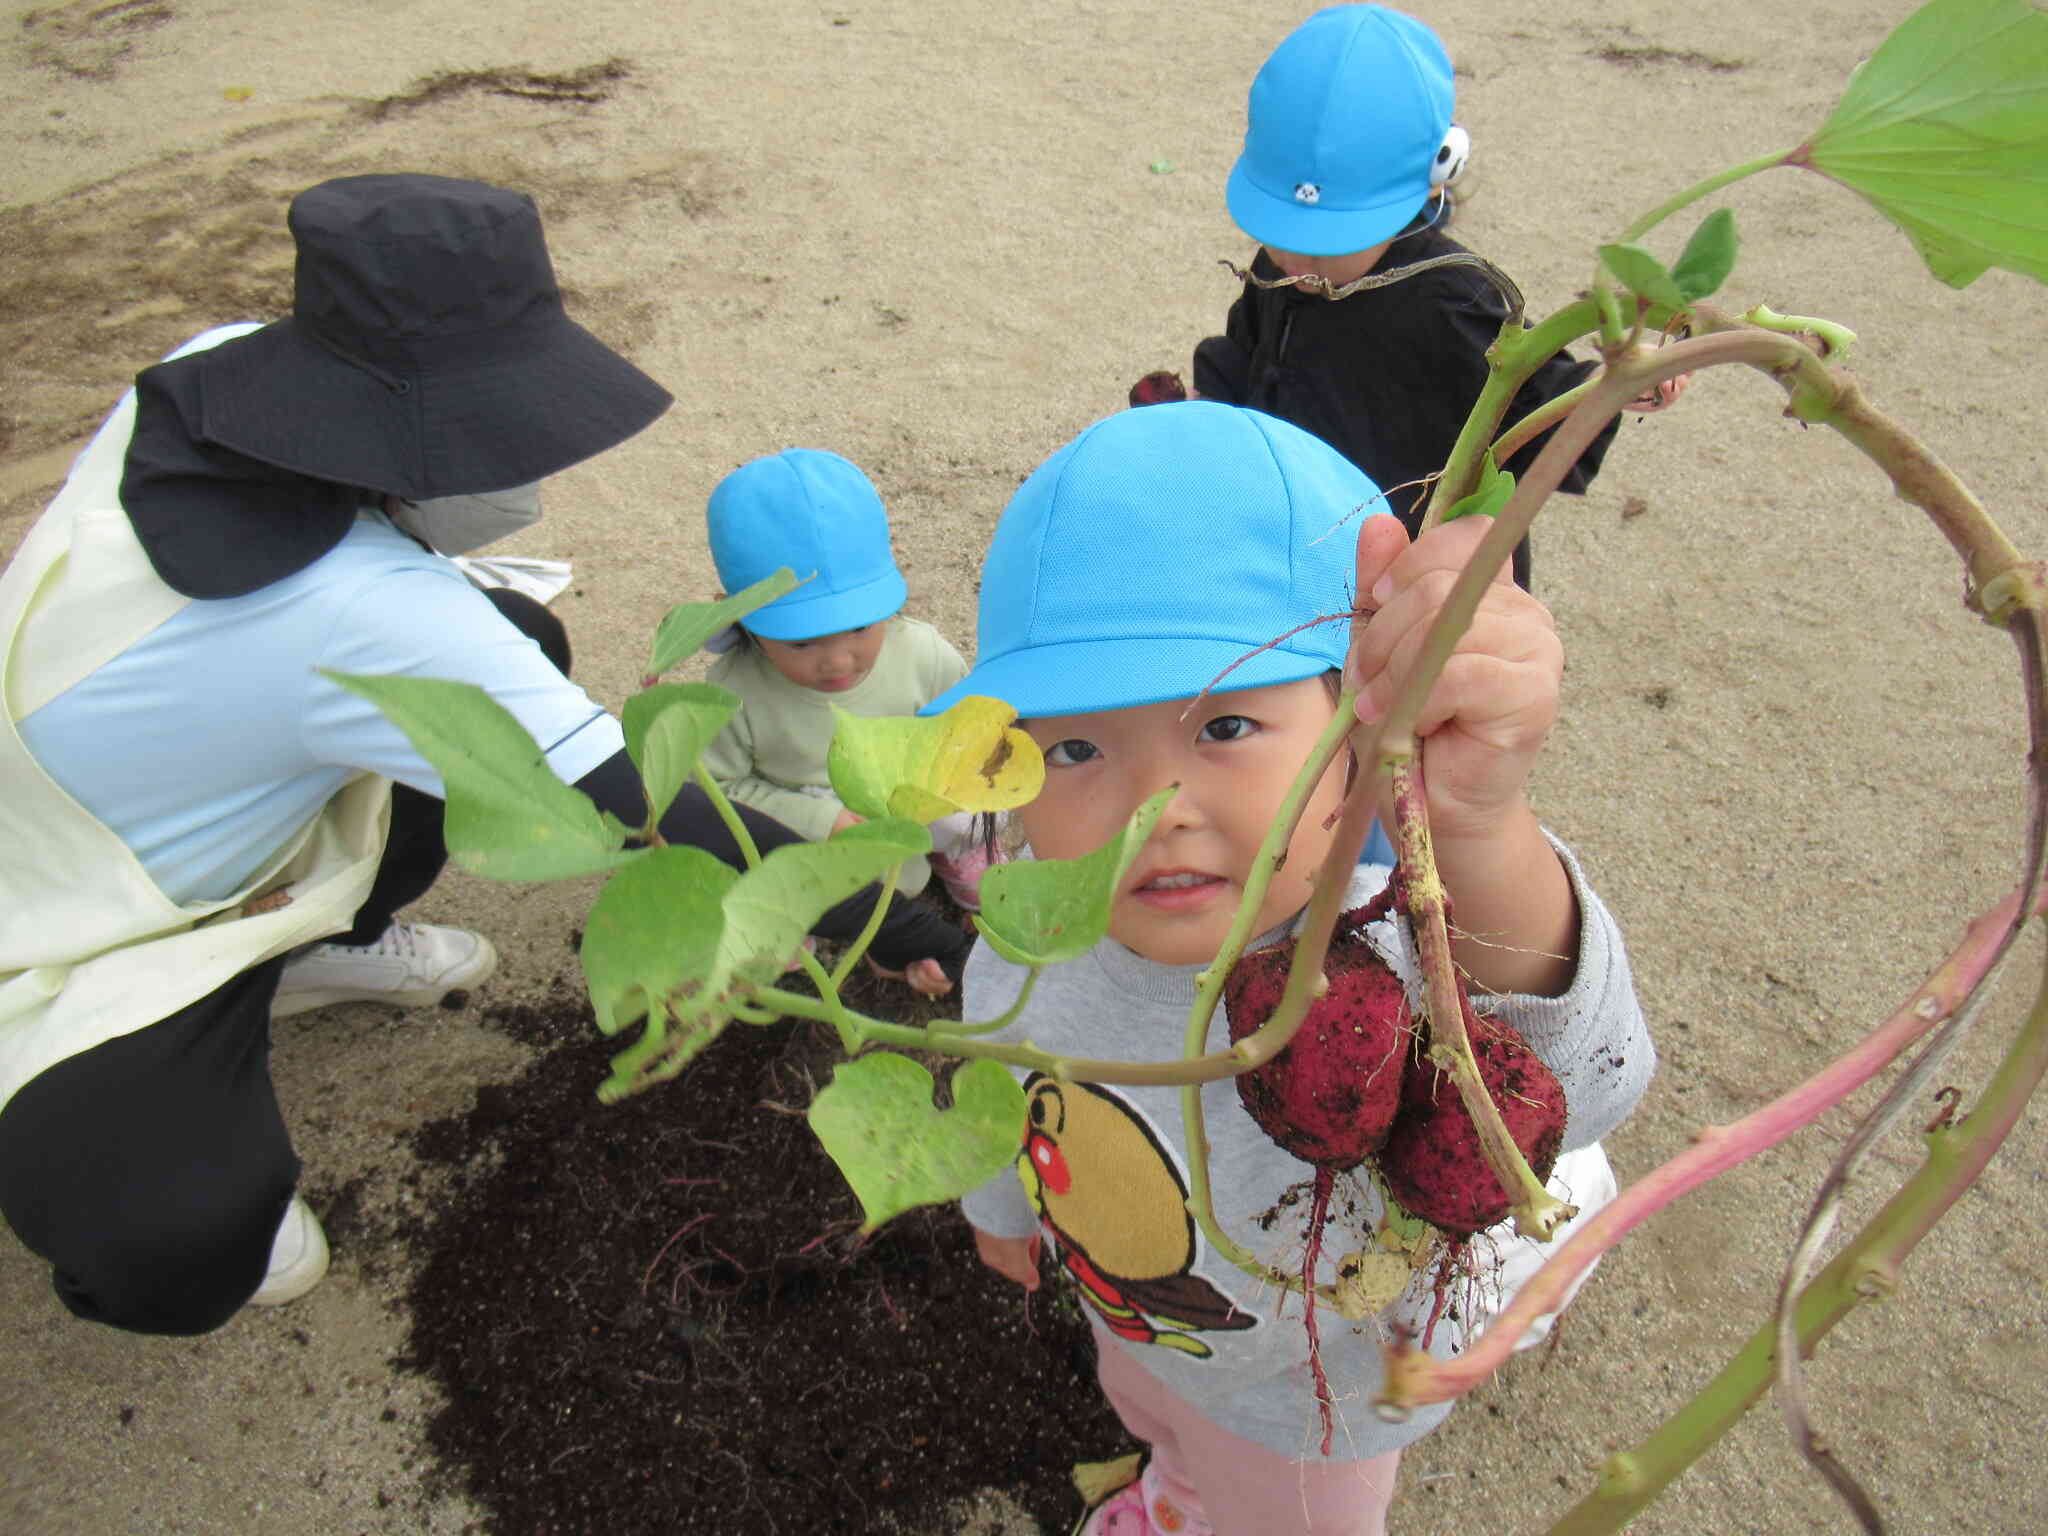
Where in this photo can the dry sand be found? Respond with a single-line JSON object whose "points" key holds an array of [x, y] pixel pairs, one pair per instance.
{"points": [[940, 237]]}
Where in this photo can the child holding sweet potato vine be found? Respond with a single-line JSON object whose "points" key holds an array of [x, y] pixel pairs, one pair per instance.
{"points": [[1350, 153], [1130, 570]]}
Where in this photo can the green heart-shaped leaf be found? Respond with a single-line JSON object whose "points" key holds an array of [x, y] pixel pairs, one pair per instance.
{"points": [[770, 908], [654, 933], [1945, 129], [508, 816], [685, 627], [668, 727], [899, 1150], [1044, 911]]}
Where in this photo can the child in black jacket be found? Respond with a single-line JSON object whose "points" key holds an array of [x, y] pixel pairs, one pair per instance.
{"points": [[1349, 152]]}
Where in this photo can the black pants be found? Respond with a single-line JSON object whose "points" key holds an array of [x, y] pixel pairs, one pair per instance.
{"points": [[152, 1170]]}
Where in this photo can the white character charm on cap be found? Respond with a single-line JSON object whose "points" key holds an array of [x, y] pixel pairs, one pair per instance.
{"points": [[1452, 158], [1308, 192]]}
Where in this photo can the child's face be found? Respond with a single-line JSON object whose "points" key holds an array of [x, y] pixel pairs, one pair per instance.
{"points": [[1233, 755], [830, 663], [1335, 271]]}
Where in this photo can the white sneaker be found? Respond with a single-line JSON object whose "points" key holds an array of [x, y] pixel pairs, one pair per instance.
{"points": [[413, 964], [298, 1257]]}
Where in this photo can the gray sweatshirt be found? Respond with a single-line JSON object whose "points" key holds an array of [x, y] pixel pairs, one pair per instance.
{"points": [[1113, 1161]]}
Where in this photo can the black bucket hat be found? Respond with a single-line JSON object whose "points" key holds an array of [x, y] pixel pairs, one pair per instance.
{"points": [[427, 353]]}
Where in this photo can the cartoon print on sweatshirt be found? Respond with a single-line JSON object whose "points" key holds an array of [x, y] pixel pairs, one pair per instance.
{"points": [[1108, 1190]]}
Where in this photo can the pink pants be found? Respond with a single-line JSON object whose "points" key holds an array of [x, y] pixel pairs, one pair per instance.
{"points": [[1222, 1483]]}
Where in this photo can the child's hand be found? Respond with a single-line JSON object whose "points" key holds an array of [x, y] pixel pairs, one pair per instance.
{"points": [[1014, 1258], [1659, 395], [927, 978], [844, 820], [1496, 699]]}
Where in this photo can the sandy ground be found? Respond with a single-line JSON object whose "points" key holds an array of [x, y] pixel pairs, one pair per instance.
{"points": [[939, 237]]}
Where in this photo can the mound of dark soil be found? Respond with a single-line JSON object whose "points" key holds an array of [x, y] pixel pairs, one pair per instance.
{"points": [[656, 1316]]}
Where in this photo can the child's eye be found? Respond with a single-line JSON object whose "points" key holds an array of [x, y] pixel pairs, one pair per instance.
{"points": [[1229, 728], [1070, 753]]}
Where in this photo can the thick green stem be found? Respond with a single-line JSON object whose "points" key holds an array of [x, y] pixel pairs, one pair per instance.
{"points": [[1066, 1069], [729, 816], [1515, 356], [841, 1019]]}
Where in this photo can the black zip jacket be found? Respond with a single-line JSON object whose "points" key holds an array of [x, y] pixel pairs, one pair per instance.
{"points": [[1386, 376]]}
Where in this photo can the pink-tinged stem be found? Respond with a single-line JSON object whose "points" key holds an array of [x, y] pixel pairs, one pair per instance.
{"points": [[1867, 1269], [1414, 1378]]}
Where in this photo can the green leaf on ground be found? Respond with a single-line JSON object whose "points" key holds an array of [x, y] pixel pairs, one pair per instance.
{"points": [[1945, 130], [685, 627], [971, 758], [508, 817], [1044, 911], [668, 727], [898, 1150], [1708, 258]]}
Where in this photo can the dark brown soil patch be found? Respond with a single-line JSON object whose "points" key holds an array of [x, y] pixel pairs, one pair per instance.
{"points": [[589, 85], [655, 1316], [1644, 57]]}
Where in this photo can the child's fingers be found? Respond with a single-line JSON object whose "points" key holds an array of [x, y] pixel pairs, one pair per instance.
{"points": [[1660, 395], [928, 978], [1510, 629], [1381, 541], [1508, 703]]}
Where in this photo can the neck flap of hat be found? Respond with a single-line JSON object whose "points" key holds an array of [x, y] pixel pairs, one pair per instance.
{"points": [[213, 523]]}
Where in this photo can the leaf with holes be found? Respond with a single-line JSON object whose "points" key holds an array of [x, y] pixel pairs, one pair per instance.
{"points": [[971, 758], [899, 1150]]}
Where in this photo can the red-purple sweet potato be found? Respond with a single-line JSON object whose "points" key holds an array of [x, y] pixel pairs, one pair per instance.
{"points": [[1432, 1161], [1329, 1097]]}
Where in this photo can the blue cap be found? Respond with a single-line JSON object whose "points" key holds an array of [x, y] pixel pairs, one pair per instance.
{"points": [[816, 513], [1343, 126], [1159, 547]]}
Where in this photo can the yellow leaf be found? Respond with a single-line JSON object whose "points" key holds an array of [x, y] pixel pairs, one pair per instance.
{"points": [[971, 758]]}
